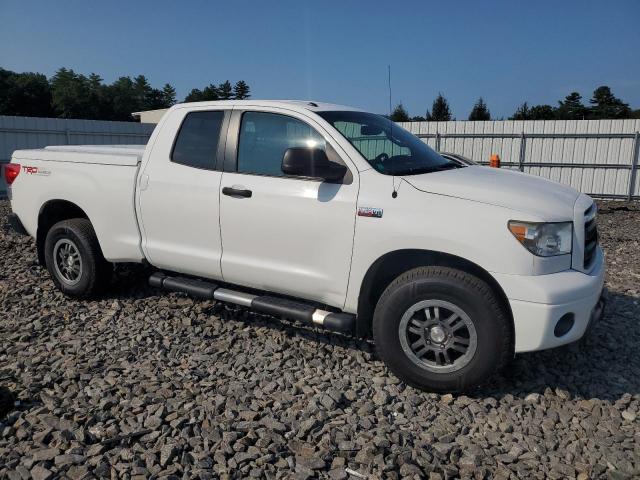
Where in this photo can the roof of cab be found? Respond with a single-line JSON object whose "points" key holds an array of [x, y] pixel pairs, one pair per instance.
{"points": [[309, 105]]}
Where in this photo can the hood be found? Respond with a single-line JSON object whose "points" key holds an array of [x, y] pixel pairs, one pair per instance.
{"points": [[538, 196]]}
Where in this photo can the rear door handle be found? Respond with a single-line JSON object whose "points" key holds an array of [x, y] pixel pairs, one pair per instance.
{"points": [[144, 181], [237, 192]]}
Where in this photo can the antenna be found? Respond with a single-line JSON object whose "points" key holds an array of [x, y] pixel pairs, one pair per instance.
{"points": [[394, 193], [389, 71]]}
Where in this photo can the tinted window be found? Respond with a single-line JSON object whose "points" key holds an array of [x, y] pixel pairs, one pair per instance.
{"points": [[197, 142], [388, 148], [264, 137]]}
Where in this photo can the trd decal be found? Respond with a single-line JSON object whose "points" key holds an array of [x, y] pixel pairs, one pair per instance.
{"points": [[35, 171], [370, 212]]}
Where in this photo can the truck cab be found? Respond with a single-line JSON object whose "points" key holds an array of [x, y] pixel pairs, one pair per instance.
{"points": [[249, 223]]}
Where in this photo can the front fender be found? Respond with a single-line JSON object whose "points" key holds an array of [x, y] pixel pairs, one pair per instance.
{"points": [[474, 231]]}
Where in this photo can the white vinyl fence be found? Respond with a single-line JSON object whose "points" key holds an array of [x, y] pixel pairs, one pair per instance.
{"points": [[30, 132], [598, 157]]}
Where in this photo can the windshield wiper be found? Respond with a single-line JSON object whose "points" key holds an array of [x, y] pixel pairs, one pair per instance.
{"points": [[419, 171], [447, 166]]}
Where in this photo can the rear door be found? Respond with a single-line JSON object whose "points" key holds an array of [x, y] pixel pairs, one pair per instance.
{"points": [[179, 193], [280, 233]]}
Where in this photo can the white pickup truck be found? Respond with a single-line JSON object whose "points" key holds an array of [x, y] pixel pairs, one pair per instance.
{"points": [[328, 215]]}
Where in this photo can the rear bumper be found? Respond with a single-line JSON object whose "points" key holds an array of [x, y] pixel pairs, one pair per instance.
{"points": [[539, 302], [16, 224]]}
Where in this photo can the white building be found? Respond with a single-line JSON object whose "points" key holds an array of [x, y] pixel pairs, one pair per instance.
{"points": [[149, 116]]}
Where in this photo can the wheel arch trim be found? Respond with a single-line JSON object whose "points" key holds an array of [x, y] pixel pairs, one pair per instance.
{"points": [[52, 207], [396, 262]]}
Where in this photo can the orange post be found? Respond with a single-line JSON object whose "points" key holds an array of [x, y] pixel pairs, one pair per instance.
{"points": [[494, 162]]}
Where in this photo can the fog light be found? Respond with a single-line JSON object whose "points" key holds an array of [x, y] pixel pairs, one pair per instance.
{"points": [[564, 324]]}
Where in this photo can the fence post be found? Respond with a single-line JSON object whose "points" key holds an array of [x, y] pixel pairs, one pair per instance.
{"points": [[522, 150], [66, 131], [437, 141], [634, 166]]}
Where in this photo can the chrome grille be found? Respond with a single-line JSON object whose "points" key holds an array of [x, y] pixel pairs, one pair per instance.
{"points": [[590, 236]]}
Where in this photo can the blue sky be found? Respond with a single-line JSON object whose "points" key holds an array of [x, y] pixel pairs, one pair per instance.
{"points": [[506, 51]]}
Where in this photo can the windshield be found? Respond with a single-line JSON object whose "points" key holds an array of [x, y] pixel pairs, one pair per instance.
{"points": [[388, 148]]}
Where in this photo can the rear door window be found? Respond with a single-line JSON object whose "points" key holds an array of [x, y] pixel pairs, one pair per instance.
{"points": [[197, 142]]}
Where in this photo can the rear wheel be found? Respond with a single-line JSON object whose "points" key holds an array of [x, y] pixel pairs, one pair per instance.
{"points": [[441, 329], [74, 258]]}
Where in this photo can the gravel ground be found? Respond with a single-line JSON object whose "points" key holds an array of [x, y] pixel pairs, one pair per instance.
{"points": [[142, 385]]}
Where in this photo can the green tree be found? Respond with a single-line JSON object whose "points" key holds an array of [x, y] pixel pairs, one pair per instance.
{"points": [[399, 114], [168, 95], [207, 94], [225, 91], [143, 92], [155, 100], [440, 111], [32, 97], [211, 92], [70, 94], [100, 107], [542, 112], [150, 98], [241, 90], [522, 113], [6, 85], [26, 94], [606, 105], [195, 95], [480, 111], [536, 112], [571, 108], [124, 96], [418, 118]]}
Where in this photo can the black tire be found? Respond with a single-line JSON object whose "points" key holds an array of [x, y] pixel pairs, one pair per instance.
{"points": [[445, 286], [94, 271]]}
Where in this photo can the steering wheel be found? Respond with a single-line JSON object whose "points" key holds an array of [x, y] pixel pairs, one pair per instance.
{"points": [[383, 157], [378, 161]]}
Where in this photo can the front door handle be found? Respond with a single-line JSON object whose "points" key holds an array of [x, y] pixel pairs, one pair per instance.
{"points": [[237, 192]]}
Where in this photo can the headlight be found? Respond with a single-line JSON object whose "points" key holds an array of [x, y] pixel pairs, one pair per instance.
{"points": [[544, 239]]}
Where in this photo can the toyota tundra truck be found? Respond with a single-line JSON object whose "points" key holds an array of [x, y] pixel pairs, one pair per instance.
{"points": [[327, 215]]}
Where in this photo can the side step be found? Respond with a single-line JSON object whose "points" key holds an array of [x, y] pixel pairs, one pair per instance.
{"points": [[271, 305]]}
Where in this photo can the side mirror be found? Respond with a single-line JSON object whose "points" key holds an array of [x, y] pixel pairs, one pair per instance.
{"points": [[311, 162]]}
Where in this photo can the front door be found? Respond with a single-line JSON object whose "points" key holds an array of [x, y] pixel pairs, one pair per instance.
{"points": [[179, 193], [281, 233]]}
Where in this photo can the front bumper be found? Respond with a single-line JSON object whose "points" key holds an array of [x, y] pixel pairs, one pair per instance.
{"points": [[598, 311], [539, 302]]}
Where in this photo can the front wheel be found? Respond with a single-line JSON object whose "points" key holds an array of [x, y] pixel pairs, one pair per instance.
{"points": [[74, 258], [441, 329]]}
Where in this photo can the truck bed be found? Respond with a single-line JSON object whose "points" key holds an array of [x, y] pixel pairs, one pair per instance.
{"points": [[125, 155], [100, 178]]}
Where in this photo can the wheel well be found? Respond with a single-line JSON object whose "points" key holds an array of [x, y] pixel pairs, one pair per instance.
{"points": [[52, 212], [391, 265]]}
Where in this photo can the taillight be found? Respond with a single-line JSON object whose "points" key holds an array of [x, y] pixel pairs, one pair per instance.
{"points": [[11, 171]]}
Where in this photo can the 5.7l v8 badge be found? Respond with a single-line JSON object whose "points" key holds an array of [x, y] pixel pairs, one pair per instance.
{"points": [[370, 212]]}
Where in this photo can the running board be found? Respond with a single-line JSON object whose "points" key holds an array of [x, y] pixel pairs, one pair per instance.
{"points": [[271, 305]]}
